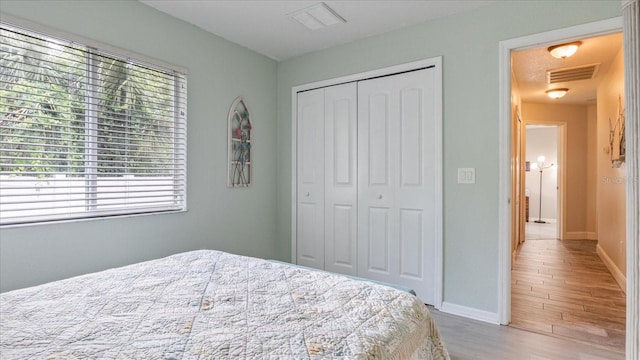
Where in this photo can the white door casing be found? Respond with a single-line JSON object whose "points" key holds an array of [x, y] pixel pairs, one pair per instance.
{"points": [[628, 23], [631, 32], [396, 187]]}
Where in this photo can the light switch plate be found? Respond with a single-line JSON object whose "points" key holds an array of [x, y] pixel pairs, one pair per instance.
{"points": [[466, 175]]}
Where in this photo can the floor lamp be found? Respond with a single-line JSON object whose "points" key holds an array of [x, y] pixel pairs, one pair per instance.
{"points": [[540, 166]]}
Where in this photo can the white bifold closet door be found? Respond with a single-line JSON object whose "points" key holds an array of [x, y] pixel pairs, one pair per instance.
{"points": [[327, 183], [396, 182], [365, 180], [310, 184], [341, 191]]}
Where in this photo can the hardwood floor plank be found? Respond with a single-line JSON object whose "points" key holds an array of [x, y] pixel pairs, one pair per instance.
{"points": [[601, 285], [562, 307], [537, 314], [603, 321], [585, 301], [578, 294], [575, 306], [609, 339], [537, 326], [615, 311], [516, 302]]}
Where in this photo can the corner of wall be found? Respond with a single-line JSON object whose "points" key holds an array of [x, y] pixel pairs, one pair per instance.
{"points": [[471, 313], [621, 279]]}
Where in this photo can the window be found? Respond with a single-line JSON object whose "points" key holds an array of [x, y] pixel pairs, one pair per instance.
{"points": [[86, 133]]}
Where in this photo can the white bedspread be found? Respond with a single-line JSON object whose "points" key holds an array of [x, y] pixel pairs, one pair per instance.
{"points": [[215, 305]]}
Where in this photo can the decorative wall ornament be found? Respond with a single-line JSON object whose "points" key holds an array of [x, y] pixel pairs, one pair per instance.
{"points": [[617, 143], [239, 145]]}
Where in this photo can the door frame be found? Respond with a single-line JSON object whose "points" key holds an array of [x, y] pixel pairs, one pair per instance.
{"points": [[435, 62], [561, 200], [593, 29]]}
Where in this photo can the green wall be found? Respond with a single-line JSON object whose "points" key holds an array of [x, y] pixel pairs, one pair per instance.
{"points": [[235, 220], [468, 43]]}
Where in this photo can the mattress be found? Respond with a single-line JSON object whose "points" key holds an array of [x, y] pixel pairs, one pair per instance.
{"points": [[215, 305]]}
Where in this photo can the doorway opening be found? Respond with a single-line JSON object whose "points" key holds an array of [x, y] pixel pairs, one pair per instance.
{"points": [[542, 190], [517, 106]]}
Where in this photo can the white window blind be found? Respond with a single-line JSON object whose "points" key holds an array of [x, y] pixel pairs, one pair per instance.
{"points": [[86, 133]]}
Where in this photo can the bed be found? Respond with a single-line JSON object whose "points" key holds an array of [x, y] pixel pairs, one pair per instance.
{"points": [[215, 305]]}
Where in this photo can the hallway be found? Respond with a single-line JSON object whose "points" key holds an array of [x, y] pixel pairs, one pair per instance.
{"points": [[562, 288]]}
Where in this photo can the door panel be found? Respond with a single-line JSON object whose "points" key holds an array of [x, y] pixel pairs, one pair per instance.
{"points": [[340, 254], [340, 178], [310, 186], [378, 139], [411, 265], [396, 154], [308, 234], [411, 161], [378, 241], [342, 118]]}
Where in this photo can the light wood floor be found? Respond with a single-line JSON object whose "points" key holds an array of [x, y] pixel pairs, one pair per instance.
{"points": [[470, 339], [562, 288]]}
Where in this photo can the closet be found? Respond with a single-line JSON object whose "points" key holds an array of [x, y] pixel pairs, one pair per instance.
{"points": [[367, 190]]}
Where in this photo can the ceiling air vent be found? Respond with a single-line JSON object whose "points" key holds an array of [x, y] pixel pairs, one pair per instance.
{"points": [[317, 16], [572, 73]]}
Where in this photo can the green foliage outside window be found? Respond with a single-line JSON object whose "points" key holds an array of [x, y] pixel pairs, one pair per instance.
{"points": [[66, 109]]}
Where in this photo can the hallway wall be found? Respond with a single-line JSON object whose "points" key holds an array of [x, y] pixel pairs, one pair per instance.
{"points": [[611, 194]]}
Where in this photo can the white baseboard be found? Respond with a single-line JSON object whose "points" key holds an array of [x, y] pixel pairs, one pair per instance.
{"points": [[470, 313], [621, 279], [580, 235]]}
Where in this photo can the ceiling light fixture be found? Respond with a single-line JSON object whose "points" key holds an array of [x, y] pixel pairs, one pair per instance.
{"points": [[317, 16], [557, 93], [563, 51]]}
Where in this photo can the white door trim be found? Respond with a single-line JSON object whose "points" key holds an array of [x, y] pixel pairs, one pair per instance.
{"points": [[504, 209], [631, 31], [436, 62]]}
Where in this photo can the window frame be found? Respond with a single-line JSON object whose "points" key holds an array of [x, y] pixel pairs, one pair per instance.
{"points": [[178, 121]]}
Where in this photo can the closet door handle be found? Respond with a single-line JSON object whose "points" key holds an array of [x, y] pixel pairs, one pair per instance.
{"points": [[380, 197], [307, 194]]}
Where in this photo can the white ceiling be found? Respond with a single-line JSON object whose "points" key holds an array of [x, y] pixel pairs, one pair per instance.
{"points": [[263, 25], [530, 68]]}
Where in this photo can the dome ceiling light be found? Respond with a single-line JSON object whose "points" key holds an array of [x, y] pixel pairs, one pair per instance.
{"points": [[563, 51], [557, 93]]}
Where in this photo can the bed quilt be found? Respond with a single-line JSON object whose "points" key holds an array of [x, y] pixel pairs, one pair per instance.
{"points": [[213, 305]]}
